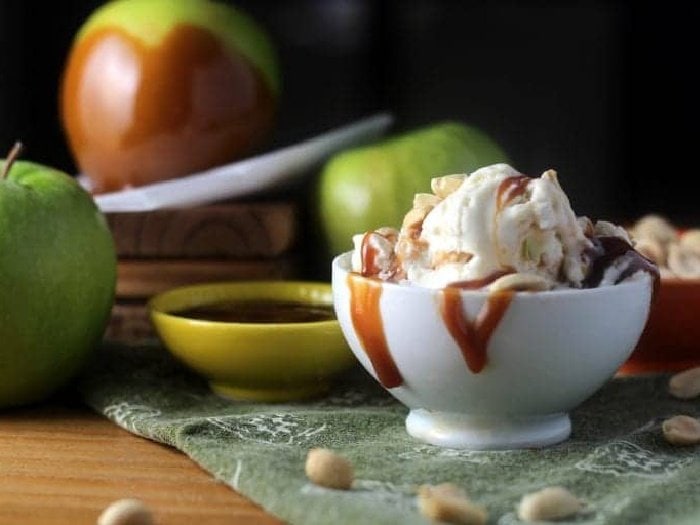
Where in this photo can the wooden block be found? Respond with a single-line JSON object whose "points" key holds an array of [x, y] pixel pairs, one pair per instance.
{"points": [[145, 278], [231, 230], [130, 323]]}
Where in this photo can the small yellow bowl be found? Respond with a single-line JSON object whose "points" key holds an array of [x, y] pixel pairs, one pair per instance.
{"points": [[254, 361]]}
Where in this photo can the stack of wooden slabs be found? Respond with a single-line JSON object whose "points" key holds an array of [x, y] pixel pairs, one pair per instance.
{"points": [[163, 249]]}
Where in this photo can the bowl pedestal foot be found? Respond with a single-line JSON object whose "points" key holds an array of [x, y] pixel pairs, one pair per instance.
{"points": [[453, 430]]}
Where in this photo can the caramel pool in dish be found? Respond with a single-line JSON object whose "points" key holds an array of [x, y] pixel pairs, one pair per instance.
{"points": [[261, 311], [265, 341]]}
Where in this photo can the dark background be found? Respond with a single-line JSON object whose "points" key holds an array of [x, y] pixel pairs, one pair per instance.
{"points": [[601, 91]]}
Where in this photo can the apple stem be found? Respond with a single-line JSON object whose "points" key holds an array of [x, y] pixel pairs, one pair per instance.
{"points": [[14, 154]]}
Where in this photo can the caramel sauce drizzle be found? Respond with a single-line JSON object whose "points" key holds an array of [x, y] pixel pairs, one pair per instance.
{"points": [[369, 327], [369, 257], [473, 337], [511, 188]]}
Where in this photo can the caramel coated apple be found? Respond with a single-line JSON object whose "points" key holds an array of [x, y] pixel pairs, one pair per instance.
{"points": [[158, 89]]}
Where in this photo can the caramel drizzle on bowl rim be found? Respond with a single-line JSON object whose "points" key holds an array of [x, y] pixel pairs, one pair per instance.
{"points": [[472, 337]]}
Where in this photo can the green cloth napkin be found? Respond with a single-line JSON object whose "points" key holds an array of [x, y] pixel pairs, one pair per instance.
{"points": [[616, 458]]}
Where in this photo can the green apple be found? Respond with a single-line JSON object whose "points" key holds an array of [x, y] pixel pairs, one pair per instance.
{"points": [[372, 186], [57, 280]]}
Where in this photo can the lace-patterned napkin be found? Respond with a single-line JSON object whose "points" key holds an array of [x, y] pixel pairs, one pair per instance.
{"points": [[616, 458]]}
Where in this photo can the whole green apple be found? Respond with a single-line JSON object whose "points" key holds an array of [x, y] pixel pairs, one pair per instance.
{"points": [[372, 186], [158, 89], [57, 280]]}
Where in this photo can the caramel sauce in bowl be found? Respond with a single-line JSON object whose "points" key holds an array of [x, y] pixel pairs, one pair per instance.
{"points": [[488, 371], [261, 340]]}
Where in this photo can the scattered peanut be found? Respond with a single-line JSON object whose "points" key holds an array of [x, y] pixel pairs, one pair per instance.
{"points": [[690, 241], [682, 430], [444, 186], [126, 512], [684, 263], [686, 384], [548, 504], [521, 282], [327, 469], [654, 227], [449, 504], [651, 249], [677, 254]]}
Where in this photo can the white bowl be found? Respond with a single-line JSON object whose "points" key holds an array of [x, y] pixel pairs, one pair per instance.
{"points": [[549, 352]]}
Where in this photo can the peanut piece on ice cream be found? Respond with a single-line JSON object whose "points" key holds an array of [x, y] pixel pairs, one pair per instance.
{"points": [[447, 184], [521, 282], [425, 200]]}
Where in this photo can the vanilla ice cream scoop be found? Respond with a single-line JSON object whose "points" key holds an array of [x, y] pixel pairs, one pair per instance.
{"points": [[499, 220], [495, 222]]}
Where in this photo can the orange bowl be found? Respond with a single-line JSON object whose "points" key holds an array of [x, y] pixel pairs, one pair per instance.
{"points": [[671, 339]]}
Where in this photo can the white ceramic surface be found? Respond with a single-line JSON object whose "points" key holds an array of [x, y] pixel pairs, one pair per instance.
{"points": [[252, 175], [550, 352]]}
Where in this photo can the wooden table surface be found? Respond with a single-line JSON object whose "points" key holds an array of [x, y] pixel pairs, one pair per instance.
{"points": [[60, 463]]}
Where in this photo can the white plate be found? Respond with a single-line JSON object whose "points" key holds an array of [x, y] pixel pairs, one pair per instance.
{"points": [[270, 170]]}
